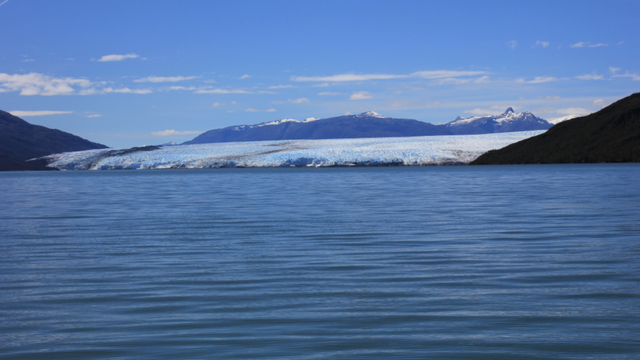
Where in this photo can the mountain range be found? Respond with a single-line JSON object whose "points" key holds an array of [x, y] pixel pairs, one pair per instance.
{"points": [[20, 141], [371, 125]]}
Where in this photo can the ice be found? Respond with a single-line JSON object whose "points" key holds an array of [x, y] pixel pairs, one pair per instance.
{"points": [[423, 150]]}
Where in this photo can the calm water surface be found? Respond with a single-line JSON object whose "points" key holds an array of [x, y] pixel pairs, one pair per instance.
{"points": [[509, 262]]}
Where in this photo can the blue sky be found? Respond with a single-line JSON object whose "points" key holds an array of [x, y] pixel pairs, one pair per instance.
{"points": [[128, 73]]}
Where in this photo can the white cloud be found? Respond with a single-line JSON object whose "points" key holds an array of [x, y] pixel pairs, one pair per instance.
{"points": [[299, 101], [552, 97], [280, 87], [590, 77], [4, 2], [634, 77], [28, 60], [435, 74], [537, 80], [598, 102], [221, 91], [321, 85], [39, 84], [587, 44], [182, 88], [493, 110], [360, 95], [215, 104], [255, 110], [415, 104], [451, 81], [266, 92], [94, 115], [574, 111], [117, 57], [614, 69], [512, 44], [158, 79], [173, 132], [20, 113], [245, 76], [543, 43], [126, 91], [329, 93], [481, 80]]}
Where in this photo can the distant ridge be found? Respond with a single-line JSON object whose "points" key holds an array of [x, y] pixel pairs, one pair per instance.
{"points": [[370, 125], [20, 141], [610, 135]]}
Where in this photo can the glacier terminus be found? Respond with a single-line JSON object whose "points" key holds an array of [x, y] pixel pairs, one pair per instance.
{"points": [[388, 151]]}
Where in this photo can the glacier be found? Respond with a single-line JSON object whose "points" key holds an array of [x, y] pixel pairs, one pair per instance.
{"points": [[409, 151]]}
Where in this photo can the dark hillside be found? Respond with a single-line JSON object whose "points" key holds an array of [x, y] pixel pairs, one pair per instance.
{"points": [[607, 136], [20, 141]]}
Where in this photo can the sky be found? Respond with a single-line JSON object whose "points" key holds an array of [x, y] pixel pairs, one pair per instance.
{"points": [[129, 73]]}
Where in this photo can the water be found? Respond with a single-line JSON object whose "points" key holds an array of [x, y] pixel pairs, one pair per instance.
{"points": [[506, 262]]}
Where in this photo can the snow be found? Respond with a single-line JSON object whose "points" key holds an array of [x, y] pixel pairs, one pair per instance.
{"points": [[423, 150], [507, 116], [372, 114]]}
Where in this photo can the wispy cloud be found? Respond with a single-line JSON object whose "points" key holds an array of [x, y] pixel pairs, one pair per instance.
{"points": [[160, 79], [182, 87], [512, 44], [117, 57], [415, 104], [590, 77], [537, 80], [4, 2], [126, 91], [20, 113], [245, 76], [40, 84], [633, 76], [587, 44], [221, 91], [326, 93], [360, 95], [544, 44], [255, 110], [94, 115], [435, 74], [280, 87], [493, 110], [574, 111], [216, 104], [299, 101], [174, 132]]}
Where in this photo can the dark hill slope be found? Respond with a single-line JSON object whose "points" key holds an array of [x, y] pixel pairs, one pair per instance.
{"points": [[20, 141], [609, 135]]}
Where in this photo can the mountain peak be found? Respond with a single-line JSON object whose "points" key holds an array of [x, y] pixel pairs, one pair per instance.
{"points": [[509, 110], [373, 114]]}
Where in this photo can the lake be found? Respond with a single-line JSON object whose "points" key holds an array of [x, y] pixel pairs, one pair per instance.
{"points": [[452, 262]]}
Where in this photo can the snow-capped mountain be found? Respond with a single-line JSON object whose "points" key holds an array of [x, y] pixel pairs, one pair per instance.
{"points": [[365, 125], [370, 124], [509, 121]]}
